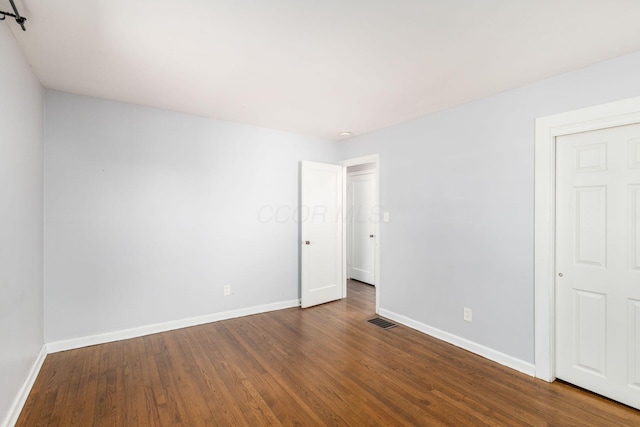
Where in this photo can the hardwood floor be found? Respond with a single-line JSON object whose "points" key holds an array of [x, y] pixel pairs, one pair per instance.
{"points": [[319, 366]]}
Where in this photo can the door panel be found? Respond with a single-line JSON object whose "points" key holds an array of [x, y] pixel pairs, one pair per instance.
{"points": [[634, 222], [321, 225], [634, 344], [591, 212], [597, 259], [634, 153], [590, 331]]}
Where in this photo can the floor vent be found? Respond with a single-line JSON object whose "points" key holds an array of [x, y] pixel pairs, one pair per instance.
{"points": [[384, 324]]}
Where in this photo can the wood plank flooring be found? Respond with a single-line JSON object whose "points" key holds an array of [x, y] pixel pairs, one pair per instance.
{"points": [[319, 366]]}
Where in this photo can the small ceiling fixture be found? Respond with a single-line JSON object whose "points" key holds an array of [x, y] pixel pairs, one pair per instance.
{"points": [[344, 134], [19, 19]]}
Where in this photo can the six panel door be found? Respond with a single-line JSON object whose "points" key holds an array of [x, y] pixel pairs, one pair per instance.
{"points": [[598, 261]]}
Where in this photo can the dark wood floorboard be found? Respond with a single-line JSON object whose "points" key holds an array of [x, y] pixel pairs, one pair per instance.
{"points": [[319, 366]]}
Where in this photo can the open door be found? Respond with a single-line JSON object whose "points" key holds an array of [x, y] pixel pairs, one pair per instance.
{"points": [[321, 217]]}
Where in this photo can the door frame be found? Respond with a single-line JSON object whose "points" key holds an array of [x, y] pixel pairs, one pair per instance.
{"points": [[373, 158], [547, 128]]}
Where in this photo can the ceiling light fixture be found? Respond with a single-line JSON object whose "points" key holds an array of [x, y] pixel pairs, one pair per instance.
{"points": [[344, 134], [19, 19]]}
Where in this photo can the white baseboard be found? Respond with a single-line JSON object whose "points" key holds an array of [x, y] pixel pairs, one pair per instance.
{"points": [[70, 344], [486, 352], [23, 393]]}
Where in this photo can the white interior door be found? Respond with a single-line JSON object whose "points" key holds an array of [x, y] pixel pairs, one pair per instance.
{"points": [[361, 227], [598, 261], [322, 219]]}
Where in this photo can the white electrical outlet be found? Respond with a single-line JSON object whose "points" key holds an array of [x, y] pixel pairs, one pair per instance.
{"points": [[227, 290], [468, 314], [385, 217]]}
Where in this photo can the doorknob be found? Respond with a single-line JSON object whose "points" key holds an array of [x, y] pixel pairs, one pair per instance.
{"points": [[307, 242], [371, 235]]}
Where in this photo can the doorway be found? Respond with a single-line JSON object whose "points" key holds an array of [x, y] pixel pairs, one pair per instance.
{"points": [[587, 290], [360, 223], [323, 236], [362, 238]]}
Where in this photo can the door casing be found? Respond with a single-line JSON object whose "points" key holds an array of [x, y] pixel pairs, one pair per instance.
{"points": [[546, 130]]}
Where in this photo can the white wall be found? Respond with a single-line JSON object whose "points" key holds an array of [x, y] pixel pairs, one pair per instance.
{"points": [[149, 213], [459, 188], [21, 216]]}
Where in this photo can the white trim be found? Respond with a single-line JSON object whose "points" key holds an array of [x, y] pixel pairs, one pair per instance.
{"points": [[546, 130], [362, 172], [486, 352], [56, 346], [18, 403], [373, 158]]}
